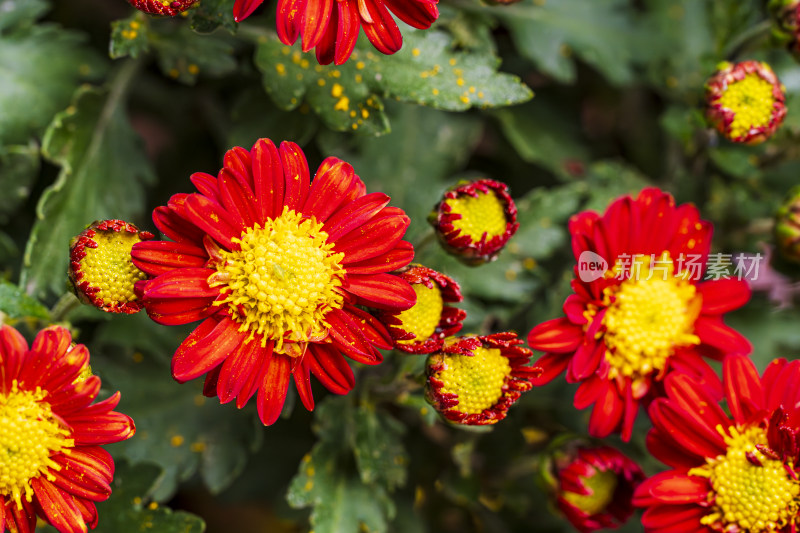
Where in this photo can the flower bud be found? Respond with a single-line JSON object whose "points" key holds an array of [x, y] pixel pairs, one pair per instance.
{"points": [[101, 270], [592, 485], [474, 220], [168, 8], [422, 329], [474, 379], [745, 101], [787, 227]]}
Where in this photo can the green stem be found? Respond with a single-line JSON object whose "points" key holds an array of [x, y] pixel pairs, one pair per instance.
{"points": [[424, 241], [63, 307], [747, 38]]}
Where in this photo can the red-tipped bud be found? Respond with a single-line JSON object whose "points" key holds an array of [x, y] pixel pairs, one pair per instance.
{"points": [[168, 8]]}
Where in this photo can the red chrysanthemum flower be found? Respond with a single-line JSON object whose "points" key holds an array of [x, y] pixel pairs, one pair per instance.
{"points": [[333, 27], [422, 328], [167, 8], [593, 485], [474, 379], [101, 270], [276, 268], [475, 220], [745, 101], [639, 309], [736, 473], [51, 462]]}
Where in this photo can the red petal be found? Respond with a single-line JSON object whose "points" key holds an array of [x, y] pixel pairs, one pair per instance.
{"points": [[348, 337], [331, 368], [269, 179], [373, 329], [12, 350], [332, 183], [586, 360], [723, 295], [394, 259], [326, 47], [83, 482], [557, 336], [302, 380], [348, 27], [272, 393], [673, 487], [255, 378], [314, 22], [238, 200], [58, 506], [714, 333], [181, 283], [417, 14], [382, 291], [607, 412], [383, 33], [241, 363], [742, 387], [669, 452], [688, 432], [174, 312], [698, 404], [244, 8], [375, 238], [159, 257], [354, 214], [296, 175], [176, 227], [199, 354], [674, 518], [206, 185], [213, 219], [288, 21], [238, 164]]}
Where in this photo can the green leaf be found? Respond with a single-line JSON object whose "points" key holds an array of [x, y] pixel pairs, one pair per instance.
{"points": [[602, 33], [184, 54], [378, 448], [542, 134], [15, 304], [176, 426], [428, 70], [17, 13], [542, 222], [40, 67], [103, 172], [129, 509], [342, 503], [254, 113], [129, 37], [208, 15], [412, 163], [19, 167]]}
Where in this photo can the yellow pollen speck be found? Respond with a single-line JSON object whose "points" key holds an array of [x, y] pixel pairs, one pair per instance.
{"points": [[353, 113], [435, 91], [152, 506], [453, 61], [480, 94], [304, 63], [337, 90], [751, 101], [197, 447], [193, 69], [321, 82], [299, 76], [336, 73], [359, 78], [415, 51], [286, 50], [464, 98], [423, 318], [296, 57], [649, 316], [308, 486], [477, 380], [472, 89], [318, 68], [360, 65], [137, 357], [282, 281], [176, 441], [364, 114], [174, 73], [137, 501], [280, 68], [510, 274], [135, 24], [29, 436], [748, 497], [460, 82], [529, 263], [199, 400], [354, 126], [343, 104], [479, 214]]}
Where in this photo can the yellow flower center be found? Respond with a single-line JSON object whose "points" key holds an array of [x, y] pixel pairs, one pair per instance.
{"points": [[282, 280], [480, 214], [747, 497], [29, 436], [422, 319], [752, 102], [649, 315], [477, 380], [602, 485], [109, 266]]}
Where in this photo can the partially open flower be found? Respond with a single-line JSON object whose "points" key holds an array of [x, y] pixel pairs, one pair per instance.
{"points": [[475, 219], [745, 101], [593, 485], [787, 227], [52, 464], [101, 270], [474, 379], [422, 328], [786, 15], [168, 8]]}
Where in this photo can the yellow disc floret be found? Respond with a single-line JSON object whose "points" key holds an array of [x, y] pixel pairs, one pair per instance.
{"points": [[29, 436], [602, 485], [424, 317], [649, 315], [752, 102], [753, 494], [477, 380], [480, 214], [109, 267], [282, 280]]}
